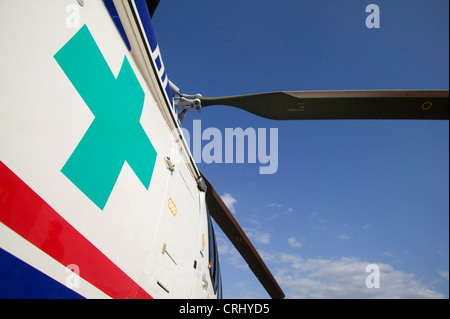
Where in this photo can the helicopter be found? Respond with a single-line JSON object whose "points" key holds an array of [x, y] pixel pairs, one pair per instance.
{"points": [[92, 203]]}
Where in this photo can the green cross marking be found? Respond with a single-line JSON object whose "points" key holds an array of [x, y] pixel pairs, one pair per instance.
{"points": [[115, 135]]}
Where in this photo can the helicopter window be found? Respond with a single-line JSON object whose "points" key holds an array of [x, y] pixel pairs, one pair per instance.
{"points": [[214, 269]]}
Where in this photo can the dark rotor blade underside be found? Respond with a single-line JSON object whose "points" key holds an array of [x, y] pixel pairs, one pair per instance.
{"points": [[223, 217], [320, 105]]}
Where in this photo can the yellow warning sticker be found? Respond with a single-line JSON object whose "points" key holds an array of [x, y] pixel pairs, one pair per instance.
{"points": [[172, 207]]}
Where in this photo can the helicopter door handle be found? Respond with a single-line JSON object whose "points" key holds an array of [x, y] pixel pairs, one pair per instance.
{"points": [[164, 251]]}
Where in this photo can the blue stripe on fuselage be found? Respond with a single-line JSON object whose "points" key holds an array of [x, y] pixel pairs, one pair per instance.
{"points": [[144, 15], [18, 280]]}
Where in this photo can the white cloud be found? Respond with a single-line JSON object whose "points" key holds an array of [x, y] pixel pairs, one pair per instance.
{"points": [[288, 211], [254, 221], [275, 205], [344, 237], [229, 200], [292, 241], [444, 274], [322, 278], [343, 278], [279, 210], [257, 236]]}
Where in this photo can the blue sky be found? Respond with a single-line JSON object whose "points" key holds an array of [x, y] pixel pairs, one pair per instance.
{"points": [[346, 193]]}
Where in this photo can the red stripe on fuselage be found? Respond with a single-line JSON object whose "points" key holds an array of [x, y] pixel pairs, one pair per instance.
{"points": [[27, 214]]}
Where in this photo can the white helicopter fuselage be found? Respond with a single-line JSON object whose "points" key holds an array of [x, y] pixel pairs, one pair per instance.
{"points": [[87, 210]]}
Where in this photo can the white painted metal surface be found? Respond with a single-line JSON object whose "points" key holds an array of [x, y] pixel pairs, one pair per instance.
{"points": [[42, 120]]}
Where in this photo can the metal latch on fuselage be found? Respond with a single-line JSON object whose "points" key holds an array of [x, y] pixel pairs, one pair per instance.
{"points": [[184, 102]]}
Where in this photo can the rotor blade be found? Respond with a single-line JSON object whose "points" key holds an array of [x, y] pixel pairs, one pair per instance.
{"points": [[318, 105], [223, 217], [152, 5]]}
